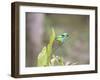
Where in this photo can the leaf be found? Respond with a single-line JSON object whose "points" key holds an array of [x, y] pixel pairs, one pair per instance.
{"points": [[42, 58], [45, 54], [60, 61], [49, 46], [53, 60], [56, 60], [52, 37]]}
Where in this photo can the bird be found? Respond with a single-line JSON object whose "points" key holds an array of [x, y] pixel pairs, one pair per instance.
{"points": [[59, 41], [61, 38]]}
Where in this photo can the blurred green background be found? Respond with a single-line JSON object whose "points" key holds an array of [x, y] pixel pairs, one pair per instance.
{"points": [[74, 50]]}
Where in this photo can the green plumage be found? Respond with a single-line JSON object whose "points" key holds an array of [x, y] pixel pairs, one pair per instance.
{"points": [[61, 38]]}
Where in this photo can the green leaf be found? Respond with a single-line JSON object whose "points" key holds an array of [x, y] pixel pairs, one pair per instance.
{"points": [[52, 36], [49, 46], [45, 54], [42, 58]]}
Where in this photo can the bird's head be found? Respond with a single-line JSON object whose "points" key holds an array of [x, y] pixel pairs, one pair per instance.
{"points": [[64, 35]]}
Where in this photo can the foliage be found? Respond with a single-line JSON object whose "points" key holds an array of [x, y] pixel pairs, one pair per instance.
{"points": [[42, 58], [57, 60], [45, 57]]}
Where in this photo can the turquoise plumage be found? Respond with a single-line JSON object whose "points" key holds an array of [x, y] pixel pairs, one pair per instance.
{"points": [[61, 38]]}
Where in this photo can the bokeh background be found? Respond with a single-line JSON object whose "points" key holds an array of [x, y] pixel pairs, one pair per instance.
{"points": [[74, 50]]}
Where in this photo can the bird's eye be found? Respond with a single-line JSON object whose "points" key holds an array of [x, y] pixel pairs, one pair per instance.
{"points": [[62, 35]]}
